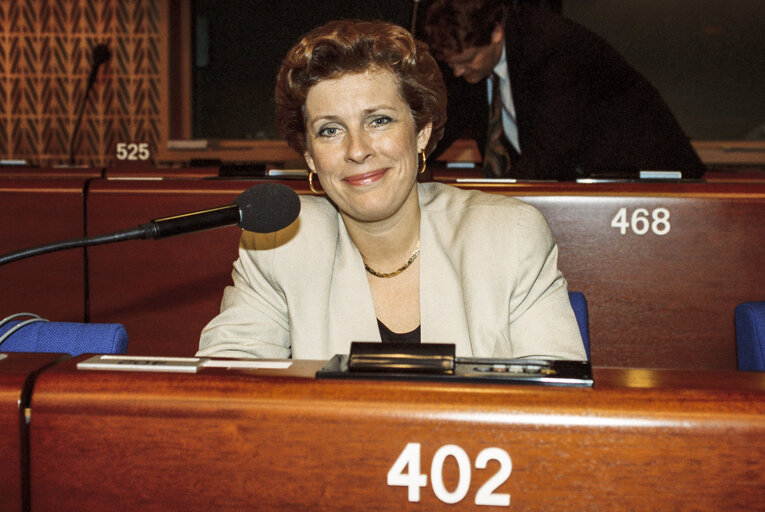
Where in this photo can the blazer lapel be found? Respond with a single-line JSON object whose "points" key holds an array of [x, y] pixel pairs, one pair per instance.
{"points": [[351, 311], [442, 311]]}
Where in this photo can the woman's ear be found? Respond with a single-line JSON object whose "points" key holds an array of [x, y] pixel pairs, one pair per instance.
{"points": [[309, 160], [423, 137]]}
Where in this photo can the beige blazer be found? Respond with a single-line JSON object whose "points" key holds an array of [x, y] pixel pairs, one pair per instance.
{"points": [[489, 283]]}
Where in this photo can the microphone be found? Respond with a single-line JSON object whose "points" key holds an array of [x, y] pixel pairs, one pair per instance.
{"points": [[263, 208], [101, 54]]}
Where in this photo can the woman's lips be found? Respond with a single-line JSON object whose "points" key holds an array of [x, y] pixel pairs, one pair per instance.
{"points": [[366, 178]]}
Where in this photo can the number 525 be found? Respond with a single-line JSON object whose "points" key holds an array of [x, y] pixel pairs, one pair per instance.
{"points": [[133, 151]]}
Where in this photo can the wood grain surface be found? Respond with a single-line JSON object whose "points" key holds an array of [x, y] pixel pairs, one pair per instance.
{"points": [[280, 440], [16, 372]]}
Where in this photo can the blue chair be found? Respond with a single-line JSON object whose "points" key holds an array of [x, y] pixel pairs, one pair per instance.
{"points": [[579, 305], [39, 335], [750, 335]]}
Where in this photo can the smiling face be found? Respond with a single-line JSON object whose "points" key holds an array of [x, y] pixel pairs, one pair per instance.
{"points": [[362, 143]]}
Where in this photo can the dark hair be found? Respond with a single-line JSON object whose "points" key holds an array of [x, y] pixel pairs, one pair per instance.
{"points": [[351, 46], [452, 26]]}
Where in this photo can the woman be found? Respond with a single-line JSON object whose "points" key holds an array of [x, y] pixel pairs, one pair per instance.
{"points": [[381, 257]]}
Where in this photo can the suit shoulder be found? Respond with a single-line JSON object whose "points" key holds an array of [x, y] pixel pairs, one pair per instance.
{"points": [[472, 212], [438, 197], [317, 209]]}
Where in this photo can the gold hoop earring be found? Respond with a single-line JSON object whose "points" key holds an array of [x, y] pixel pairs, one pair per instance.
{"points": [[424, 162], [310, 184]]}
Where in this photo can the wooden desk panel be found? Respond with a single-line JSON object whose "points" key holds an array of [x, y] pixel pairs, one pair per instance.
{"points": [[238, 440], [657, 300], [36, 212], [15, 386], [163, 291]]}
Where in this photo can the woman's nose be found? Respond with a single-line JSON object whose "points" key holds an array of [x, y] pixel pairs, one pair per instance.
{"points": [[359, 146]]}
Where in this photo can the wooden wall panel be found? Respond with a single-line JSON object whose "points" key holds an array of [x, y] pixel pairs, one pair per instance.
{"points": [[34, 212], [45, 58]]}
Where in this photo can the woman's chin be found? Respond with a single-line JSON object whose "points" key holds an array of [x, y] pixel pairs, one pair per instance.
{"points": [[376, 209], [369, 214]]}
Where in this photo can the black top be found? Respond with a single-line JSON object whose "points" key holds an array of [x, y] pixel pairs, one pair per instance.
{"points": [[389, 336]]}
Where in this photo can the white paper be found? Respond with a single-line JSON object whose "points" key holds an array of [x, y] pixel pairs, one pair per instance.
{"points": [[256, 364], [142, 363]]}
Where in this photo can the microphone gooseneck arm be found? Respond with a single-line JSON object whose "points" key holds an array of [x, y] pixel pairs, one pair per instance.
{"points": [[156, 228], [142, 231]]}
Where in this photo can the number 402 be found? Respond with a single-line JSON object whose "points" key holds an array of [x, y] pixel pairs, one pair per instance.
{"points": [[413, 480]]}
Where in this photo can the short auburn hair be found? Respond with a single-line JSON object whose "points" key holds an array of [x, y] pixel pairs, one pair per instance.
{"points": [[453, 26], [352, 46]]}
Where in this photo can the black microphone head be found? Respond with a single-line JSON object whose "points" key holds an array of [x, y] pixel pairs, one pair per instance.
{"points": [[101, 54], [268, 207]]}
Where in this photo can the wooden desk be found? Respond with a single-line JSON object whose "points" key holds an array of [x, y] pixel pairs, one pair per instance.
{"points": [[17, 372], [245, 440], [37, 212]]}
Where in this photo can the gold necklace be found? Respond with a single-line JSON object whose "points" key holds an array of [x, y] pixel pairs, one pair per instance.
{"points": [[396, 272]]}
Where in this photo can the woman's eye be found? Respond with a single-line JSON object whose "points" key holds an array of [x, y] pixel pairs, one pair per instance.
{"points": [[328, 131], [381, 121]]}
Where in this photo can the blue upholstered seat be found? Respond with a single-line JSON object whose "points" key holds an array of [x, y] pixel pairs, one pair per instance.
{"points": [[579, 305], [64, 337], [750, 335]]}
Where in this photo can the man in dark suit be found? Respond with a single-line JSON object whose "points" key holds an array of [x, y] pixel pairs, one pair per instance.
{"points": [[571, 106]]}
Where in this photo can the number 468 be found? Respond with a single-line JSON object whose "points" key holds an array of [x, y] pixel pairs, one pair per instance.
{"points": [[413, 480], [639, 222]]}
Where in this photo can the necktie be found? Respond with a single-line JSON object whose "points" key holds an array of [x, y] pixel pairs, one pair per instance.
{"points": [[497, 158]]}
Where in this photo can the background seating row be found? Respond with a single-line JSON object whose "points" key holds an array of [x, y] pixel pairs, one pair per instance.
{"points": [[662, 265]]}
